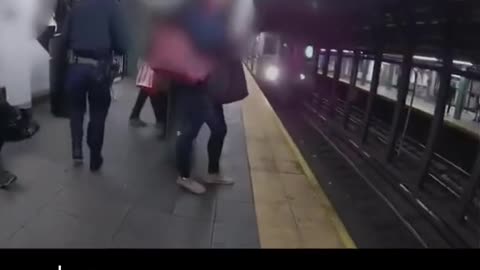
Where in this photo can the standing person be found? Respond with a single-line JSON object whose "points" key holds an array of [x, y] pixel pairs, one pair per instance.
{"points": [[195, 105], [93, 32], [158, 101]]}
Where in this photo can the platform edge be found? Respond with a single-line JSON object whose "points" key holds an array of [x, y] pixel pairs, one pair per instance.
{"points": [[312, 179]]}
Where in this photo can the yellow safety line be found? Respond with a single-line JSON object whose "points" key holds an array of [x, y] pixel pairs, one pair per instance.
{"points": [[338, 224]]}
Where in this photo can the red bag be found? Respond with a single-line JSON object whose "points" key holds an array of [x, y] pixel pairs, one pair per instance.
{"points": [[173, 54]]}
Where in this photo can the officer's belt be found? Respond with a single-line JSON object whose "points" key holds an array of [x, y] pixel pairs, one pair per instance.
{"points": [[84, 61]]}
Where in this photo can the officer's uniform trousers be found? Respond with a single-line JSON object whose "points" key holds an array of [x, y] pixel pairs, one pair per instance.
{"points": [[83, 86]]}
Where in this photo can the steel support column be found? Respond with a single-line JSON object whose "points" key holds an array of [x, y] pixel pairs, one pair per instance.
{"points": [[449, 29], [473, 183], [332, 100], [403, 87], [352, 90], [373, 92], [364, 65], [438, 117], [325, 63], [316, 58], [389, 80], [324, 83]]}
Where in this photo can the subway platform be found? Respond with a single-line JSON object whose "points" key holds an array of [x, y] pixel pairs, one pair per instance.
{"points": [[134, 201]]}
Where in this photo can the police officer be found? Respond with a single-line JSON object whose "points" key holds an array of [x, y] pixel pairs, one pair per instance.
{"points": [[93, 33]]}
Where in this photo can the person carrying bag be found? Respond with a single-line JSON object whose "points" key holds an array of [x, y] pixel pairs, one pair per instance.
{"points": [[193, 51], [185, 50], [154, 87]]}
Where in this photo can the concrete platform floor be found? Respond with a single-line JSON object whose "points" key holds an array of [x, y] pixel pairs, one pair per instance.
{"points": [[135, 203]]}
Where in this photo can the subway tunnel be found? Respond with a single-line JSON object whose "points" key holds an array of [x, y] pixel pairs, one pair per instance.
{"points": [[361, 130]]}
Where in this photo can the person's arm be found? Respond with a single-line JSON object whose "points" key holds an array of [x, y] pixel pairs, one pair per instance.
{"points": [[118, 30]]}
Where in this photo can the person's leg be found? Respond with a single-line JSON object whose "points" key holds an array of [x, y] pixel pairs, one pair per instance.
{"points": [[137, 108], [187, 133], [191, 120], [159, 104], [218, 128], [75, 85], [6, 177], [99, 100]]}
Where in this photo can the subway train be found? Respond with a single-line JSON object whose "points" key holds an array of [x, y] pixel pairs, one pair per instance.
{"points": [[282, 63]]}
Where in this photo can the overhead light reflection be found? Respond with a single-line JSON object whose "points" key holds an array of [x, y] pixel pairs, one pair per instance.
{"points": [[434, 59]]}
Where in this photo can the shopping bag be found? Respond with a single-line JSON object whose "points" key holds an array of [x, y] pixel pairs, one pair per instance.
{"points": [[145, 76], [151, 82], [145, 79], [174, 56]]}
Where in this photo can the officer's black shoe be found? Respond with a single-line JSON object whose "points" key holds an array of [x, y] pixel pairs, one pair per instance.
{"points": [[96, 162], [77, 160], [77, 155], [6, 179]]}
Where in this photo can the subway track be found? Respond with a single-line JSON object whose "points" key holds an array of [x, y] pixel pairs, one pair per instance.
{"points": [[439, 201], [429, 215], [444, 172]]}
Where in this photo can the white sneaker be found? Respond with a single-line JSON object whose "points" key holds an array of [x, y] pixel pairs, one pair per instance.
{"points": [[191, 185], [218, 179]]}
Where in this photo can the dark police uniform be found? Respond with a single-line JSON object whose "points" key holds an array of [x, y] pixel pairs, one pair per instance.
{"points": [[93, 32]]}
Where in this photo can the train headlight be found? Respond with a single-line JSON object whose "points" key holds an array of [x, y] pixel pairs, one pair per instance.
{"points": [[272, 73], [302, 77], [309, 52]]}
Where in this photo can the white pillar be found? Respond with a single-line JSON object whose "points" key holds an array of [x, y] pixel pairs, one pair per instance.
{"points": [[433, 83], [370, 70], [17, 21]]}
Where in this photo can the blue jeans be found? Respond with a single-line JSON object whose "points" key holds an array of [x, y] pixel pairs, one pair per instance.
{"points": [[196, 109], [82, 86]]}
